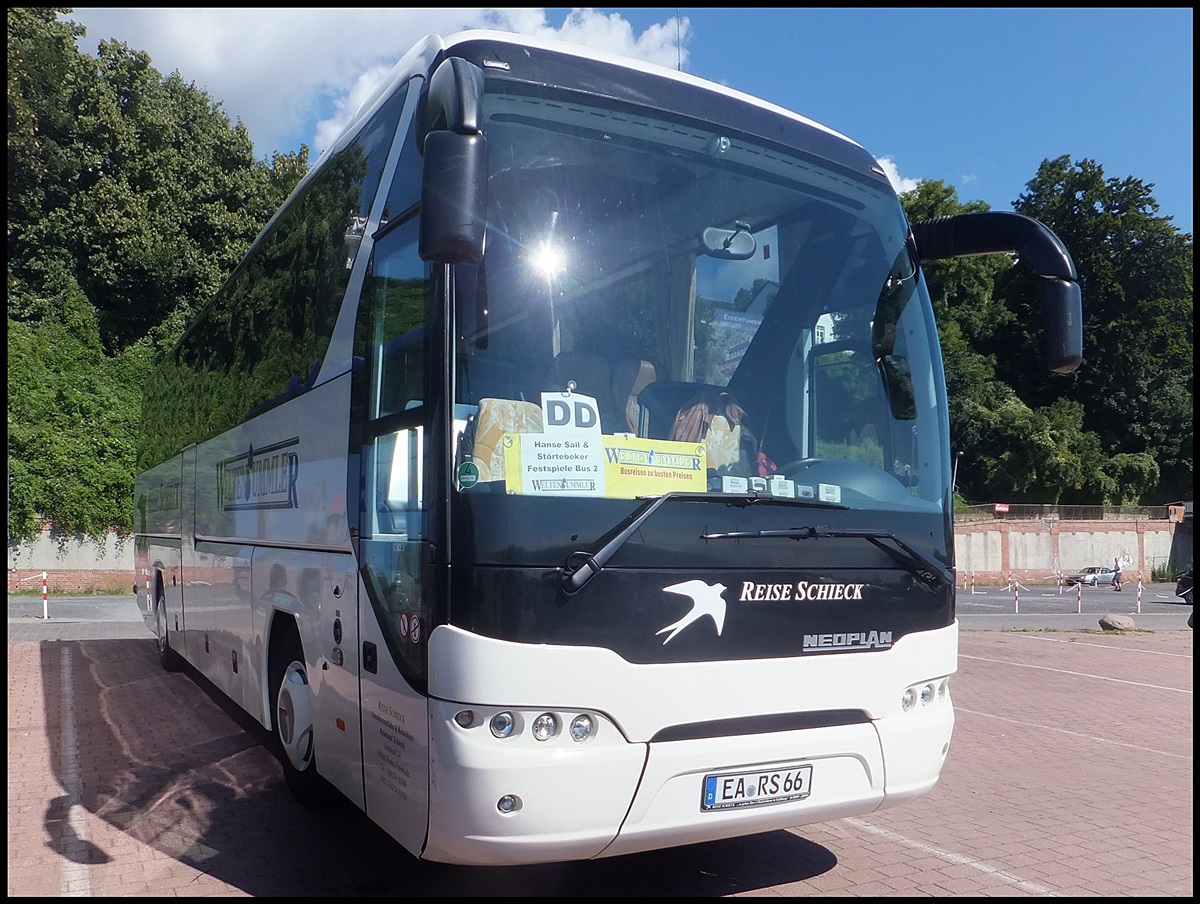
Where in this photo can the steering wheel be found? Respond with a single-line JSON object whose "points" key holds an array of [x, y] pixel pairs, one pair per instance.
{"points": [[799, 464], [855, 476]]}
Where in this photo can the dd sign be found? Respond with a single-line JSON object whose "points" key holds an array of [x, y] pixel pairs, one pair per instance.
{"points": [[570, 411]]}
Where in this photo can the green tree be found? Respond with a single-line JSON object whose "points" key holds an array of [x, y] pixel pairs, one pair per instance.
{"points": [[1127, 434], [1135, 269], [131, 197], [1011, 451], [72, 417]]}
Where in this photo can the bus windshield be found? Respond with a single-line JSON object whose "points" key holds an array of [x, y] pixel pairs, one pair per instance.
{"points": [[666, 305]]}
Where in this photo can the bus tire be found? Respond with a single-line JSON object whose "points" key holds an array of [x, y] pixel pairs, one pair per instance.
{"points": [[167, 657], [292, 720]]}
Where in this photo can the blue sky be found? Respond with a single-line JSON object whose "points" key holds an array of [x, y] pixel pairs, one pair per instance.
{"points": [[974, 98]]}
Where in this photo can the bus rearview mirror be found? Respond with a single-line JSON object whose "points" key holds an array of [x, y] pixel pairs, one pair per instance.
{"points": [[453, 198]]}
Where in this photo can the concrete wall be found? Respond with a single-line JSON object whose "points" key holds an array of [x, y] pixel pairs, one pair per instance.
{"points": [[989, 551], [995, 552], [72, 564]]}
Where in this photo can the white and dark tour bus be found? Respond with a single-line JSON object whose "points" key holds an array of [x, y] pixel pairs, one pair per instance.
{"points": [[565, 470]]}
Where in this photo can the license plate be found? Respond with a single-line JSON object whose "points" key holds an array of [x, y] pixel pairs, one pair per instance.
{"points": [[752, 789]]}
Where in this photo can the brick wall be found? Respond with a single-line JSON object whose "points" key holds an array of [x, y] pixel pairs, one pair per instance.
{"points": [[73, 564], [72, 580], [995, 552]]}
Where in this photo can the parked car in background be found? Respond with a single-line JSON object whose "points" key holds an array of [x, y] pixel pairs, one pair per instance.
{"points": [[1093, 576], [1183, 586]]}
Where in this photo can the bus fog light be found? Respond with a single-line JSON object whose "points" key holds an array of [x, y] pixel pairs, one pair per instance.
{"points": [[502, 724], [927, 694], [545, 727], [908, 701], [465, 718], [582, 727], [509, 803]]}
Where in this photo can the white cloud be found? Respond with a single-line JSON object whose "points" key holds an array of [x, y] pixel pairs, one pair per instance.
{"points": [[900, 183], [277, 69], [345, 106]]}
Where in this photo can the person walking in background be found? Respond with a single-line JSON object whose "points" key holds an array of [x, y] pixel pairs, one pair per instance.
{"points": [[1117, 573]]}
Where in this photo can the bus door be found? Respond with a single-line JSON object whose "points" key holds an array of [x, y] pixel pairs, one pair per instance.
{"points": [[394, 381], [394, 625]]}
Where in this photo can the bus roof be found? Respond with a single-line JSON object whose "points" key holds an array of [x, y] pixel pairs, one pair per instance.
{"points": [[422, 55]]}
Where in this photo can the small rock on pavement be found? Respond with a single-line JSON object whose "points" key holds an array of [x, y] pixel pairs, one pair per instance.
{"points": [[1116, 623]]}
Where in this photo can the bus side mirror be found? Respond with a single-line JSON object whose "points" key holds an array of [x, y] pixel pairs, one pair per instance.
{"points": [[453, 198], [1062, 321], [454, 185], [992, 231]]}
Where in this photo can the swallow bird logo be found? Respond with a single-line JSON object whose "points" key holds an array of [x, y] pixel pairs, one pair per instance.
{"points": [[706, 600]]}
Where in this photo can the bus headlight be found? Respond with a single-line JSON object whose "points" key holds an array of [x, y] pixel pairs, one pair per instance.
{"points": [[502, 724], [582, 727], [509, 803], [545, 727], [927, 693]]}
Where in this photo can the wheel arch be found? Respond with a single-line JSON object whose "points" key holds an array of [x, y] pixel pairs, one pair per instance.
{"points": [[282, 625]]}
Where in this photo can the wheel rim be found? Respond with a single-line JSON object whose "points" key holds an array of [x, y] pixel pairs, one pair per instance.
{"points": [[293, 716]]}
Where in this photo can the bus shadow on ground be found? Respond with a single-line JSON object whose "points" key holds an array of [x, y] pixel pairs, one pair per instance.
{"points": [[168, 760]]}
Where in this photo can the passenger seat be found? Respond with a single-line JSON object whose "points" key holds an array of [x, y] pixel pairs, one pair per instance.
{"points": [[590, 374], [629, 377], [495, 418]]}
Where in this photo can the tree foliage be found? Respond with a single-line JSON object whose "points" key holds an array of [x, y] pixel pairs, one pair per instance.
{"points": [[1136, 272], [1119, 429], [72, 422], [131, 197]]}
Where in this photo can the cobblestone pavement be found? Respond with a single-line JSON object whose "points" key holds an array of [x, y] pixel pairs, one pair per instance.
{"points": [[1070, 773]]}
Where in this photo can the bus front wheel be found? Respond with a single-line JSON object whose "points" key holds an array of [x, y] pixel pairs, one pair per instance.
{"points": [[168, 658], [293, 721]]}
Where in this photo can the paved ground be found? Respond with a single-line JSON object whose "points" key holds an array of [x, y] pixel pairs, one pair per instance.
{"points": [[1070, 773]]}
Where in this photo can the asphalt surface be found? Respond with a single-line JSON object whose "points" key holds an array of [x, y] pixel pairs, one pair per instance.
{"points": [[1152, 607]]}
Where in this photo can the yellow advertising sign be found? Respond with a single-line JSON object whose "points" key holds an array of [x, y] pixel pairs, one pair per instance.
{"points": [[589, 464], [634, 466]]}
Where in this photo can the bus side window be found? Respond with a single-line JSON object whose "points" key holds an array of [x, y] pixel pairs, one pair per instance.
{"points": [[394, 338], [400, 480], [845, 400], [398, 295]]}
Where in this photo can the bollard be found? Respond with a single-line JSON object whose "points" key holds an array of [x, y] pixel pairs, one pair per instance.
{"points": [[1016, 597], [1079, 599], [45, 598], [1139, 595]]}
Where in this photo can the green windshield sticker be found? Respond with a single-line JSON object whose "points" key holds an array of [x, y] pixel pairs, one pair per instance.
{"points": [[468, 474]]}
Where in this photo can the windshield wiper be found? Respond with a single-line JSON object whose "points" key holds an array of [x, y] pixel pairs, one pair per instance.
{"points": [[915, 563], [582, 566]]}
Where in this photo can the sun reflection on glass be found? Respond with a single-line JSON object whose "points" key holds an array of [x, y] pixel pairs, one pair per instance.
{"points": [[548, 259]]}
